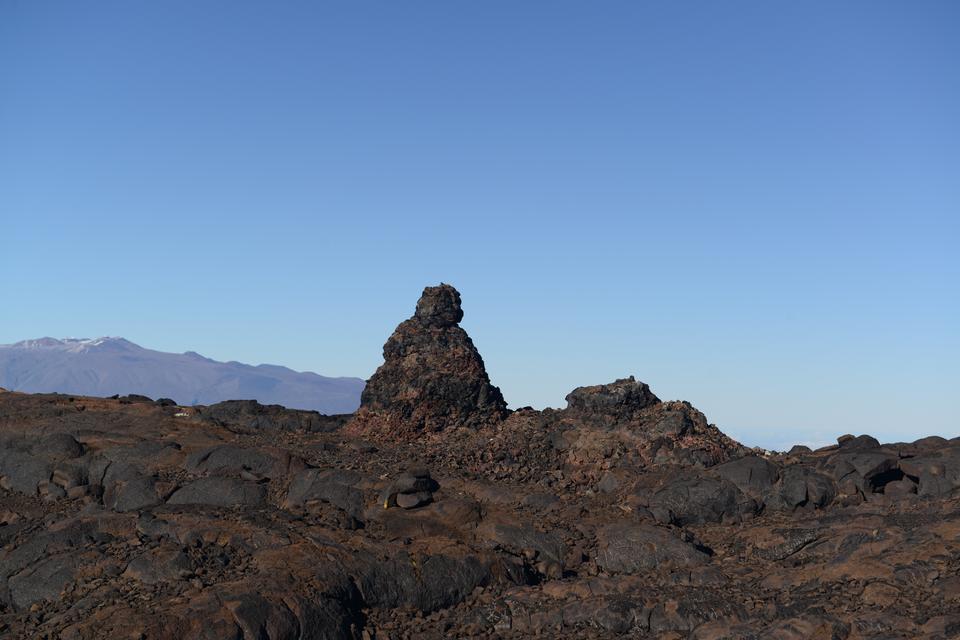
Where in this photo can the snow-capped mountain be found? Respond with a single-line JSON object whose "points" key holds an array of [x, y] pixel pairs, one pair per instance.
{"points": [[107, 366]]}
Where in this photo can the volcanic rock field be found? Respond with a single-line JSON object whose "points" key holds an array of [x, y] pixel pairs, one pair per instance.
{"points": [[436, 512]]}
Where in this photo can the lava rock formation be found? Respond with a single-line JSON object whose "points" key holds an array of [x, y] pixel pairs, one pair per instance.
{"points": [[434, 513], [432, 377]]}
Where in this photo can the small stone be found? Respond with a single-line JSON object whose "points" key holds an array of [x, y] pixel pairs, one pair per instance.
{"points": [[414, 500], [409, 483]]}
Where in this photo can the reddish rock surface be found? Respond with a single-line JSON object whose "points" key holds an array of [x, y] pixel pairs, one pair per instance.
{"points": [[620, 516]]}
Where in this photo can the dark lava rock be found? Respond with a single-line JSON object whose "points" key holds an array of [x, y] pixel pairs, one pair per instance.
{"points": [[251, 416], [439, 307], [698, 500], [168, 564], [938, 474], [678, 433], [610, 404], [930, 443], [517, 538], [231, 460], [432, 377], [220, 492], [21, 471], [425, 583], [801, 486], [43, 581], [133, 495], [631, 548], [58, 445], [72, 473], [900, 488], [413, 500], [752, 474], [410, 490], [864, 470], [858, 442], [134, 398], [409, 483], [331, 487]]}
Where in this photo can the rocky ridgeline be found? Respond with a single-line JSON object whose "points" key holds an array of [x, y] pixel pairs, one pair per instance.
{"points": [[436, 513]]}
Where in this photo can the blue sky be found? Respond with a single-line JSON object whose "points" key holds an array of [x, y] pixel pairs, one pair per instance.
{"points": [[750, 205]]}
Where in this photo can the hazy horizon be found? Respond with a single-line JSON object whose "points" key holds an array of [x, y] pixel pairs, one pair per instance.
{"points": [[752, 207]]}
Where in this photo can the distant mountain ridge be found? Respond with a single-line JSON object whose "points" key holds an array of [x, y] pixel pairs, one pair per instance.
{"points": [[113, 365]]}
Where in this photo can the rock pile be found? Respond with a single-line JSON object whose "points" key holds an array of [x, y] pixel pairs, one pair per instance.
{"points": [[432, 377], [412, 489]]}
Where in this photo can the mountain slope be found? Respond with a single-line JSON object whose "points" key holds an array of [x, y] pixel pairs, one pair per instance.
{"points": [[107, 366]]}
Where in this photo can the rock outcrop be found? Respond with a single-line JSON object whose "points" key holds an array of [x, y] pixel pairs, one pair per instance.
{"points": [[432, 377], [627, 414], [609, 405]]}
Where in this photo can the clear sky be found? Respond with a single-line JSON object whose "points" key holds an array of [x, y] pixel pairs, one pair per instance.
{"points": [[754, 206]]}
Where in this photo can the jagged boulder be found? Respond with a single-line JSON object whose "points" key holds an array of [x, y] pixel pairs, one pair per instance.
{"points": [[432, 376], [753, 475], [937, 472], [606, 405]]}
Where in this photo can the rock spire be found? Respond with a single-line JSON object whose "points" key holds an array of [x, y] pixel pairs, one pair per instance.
{"points": [[432, 377]]}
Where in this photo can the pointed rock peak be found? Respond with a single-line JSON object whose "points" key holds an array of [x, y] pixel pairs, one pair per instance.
{"points": [[432, 377], [439, 306]]}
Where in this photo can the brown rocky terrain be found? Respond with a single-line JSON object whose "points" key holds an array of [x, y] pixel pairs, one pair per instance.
{"points": [[436, 513]]}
